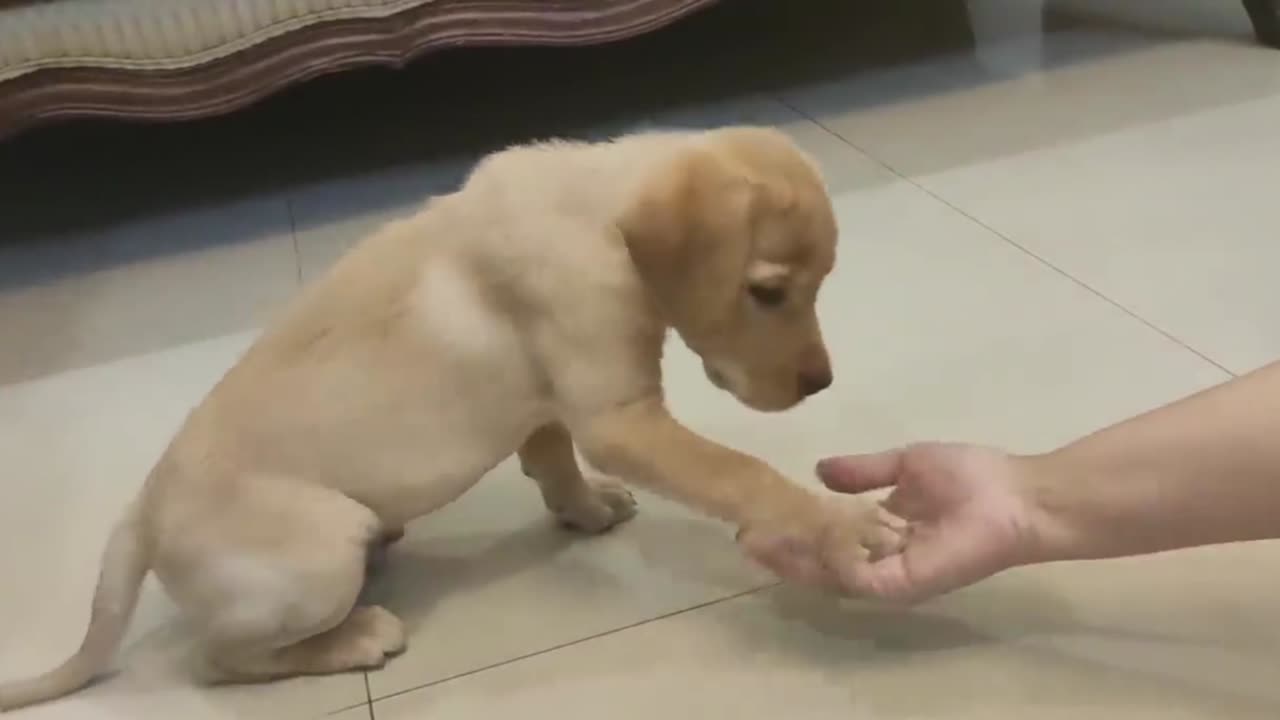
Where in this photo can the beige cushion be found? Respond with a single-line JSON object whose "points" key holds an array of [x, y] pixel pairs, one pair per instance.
{"points": [[157, 34]]}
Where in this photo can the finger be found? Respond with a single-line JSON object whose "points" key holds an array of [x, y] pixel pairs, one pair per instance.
{"points": [[905, 506], [860, 473]]}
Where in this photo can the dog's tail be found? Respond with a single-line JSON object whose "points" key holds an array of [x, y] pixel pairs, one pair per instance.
{"points": [[124, 565]]}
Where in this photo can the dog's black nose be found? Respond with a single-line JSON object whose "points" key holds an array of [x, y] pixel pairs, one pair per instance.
{"points": [[812, 383]]}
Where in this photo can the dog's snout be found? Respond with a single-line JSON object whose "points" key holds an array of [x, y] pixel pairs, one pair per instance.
{"points": [[814, 382]]}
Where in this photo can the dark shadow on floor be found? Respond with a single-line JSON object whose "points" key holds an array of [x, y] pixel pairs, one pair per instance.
{"points": [[86, 174]]}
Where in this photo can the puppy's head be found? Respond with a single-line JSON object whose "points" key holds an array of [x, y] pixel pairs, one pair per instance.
{"points": [[734, 237]]}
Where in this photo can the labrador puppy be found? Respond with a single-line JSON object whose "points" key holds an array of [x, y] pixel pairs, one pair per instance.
{"points": [[525, 314]]}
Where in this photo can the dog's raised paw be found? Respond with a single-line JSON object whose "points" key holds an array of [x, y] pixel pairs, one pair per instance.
{"points": [[606, 505]]}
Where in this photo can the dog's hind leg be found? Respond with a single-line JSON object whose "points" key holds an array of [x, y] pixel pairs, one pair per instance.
{"points": [[363, 640], [276, 594], [591, 506]]}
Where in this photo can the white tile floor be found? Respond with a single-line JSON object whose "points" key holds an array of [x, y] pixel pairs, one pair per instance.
{"points": [[1032, 246]]}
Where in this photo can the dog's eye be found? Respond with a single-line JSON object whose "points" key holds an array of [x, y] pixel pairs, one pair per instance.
{"points": [[768, 295]]}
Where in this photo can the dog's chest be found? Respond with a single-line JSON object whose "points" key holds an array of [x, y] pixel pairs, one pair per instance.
{"points": [[453, 314], [471, 408]]}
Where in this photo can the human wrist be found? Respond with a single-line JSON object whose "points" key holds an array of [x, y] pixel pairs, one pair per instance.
{"points": [[1048, 491]]}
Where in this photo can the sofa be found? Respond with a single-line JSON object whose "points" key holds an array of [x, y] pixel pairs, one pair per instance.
{"points": [[167, 60]]}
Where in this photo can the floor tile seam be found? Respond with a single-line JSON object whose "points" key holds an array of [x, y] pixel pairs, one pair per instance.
{"points": [[577, 641], [368, 696], [1133, 314], [1150, 325], [349, 707], [1104, 135]]}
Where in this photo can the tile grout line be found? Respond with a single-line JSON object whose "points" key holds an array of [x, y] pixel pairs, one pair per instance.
{"points": [[1009, 240], [368, 695], [571, 643]]}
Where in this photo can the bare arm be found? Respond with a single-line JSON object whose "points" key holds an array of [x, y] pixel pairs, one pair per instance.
{"points": [[1200, 471], [1203, 470]]}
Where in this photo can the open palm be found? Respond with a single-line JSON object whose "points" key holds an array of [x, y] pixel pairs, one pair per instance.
{"points": [[966, 512]]}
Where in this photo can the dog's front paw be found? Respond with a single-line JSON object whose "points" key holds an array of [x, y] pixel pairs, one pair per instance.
{"points": [[813, 552], [605, 504], [866, 528]]}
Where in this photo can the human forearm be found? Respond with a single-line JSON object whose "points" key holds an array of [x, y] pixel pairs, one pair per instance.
{"points": [[1203, 470]]}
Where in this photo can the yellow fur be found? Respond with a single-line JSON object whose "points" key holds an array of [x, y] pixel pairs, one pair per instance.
{"points": [[523, 314]]}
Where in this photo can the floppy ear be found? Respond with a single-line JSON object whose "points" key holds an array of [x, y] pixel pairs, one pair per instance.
{"points": [[679, 206], [684, 226]]}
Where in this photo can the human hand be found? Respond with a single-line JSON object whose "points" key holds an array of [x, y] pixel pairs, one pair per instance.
{"points": [[967, 513]]}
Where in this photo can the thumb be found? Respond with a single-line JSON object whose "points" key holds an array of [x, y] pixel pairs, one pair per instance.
{"points": [[860, 473]]}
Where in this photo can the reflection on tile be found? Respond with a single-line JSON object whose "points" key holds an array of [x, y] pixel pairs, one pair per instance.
{"points": [[941, 329], [1186, 17], [331, 217], [1173, 220], [1050, 643], [951, 112], [1008, 34], [76, 447], [68, 302]]}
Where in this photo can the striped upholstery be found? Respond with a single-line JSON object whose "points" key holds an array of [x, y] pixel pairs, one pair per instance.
{"points": [[157, 34]]}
